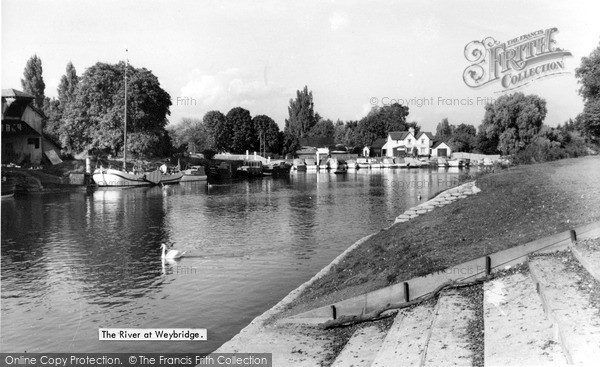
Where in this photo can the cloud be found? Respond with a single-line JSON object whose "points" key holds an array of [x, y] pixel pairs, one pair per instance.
{"points": [[338, 21], [231, 88]]}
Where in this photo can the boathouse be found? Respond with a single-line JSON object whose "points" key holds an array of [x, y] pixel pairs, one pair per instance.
{"points": [[23, 140], [440, 149]]}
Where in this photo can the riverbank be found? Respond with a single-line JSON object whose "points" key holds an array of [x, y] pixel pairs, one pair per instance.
{"points": [[514, 206]]}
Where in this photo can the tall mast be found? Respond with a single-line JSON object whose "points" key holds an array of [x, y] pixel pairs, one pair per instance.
{"points": [[125, 128]]}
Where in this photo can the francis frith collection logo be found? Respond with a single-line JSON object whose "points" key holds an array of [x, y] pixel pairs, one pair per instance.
{"points": [[516, 62]]}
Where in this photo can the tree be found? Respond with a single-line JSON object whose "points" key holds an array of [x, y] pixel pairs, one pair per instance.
{"points": [[381, 120], [268, 133], [443, 130], [486, 142], [94, 120], [33, 81], [394, 117], [301, 114], [191, 134], [54, 114], [463, 138], [339, 132], [590, 119], [514, 120], [244, 134], [323, 129], [54, 109], [589, 78], [588, 74], [220, 130], [68, 85]]}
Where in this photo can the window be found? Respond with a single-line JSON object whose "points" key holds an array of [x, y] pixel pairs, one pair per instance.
{"points": [[422, 141], [409, 141], [34, 141]]}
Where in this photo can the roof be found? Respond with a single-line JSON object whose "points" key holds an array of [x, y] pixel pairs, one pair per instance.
{"points": [[438, 143], [379, 143], [317, 142], [307, 150], [13, 93], [428, 134], [398, 135]]}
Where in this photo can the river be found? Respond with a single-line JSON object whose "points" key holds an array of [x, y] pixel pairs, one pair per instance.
{"points": [[74, 262]]}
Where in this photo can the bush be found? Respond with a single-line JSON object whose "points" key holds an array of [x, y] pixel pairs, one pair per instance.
{"points": [[542, 149]]}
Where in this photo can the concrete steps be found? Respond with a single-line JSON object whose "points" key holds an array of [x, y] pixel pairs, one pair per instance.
{"points": [[536, 317], [406, 341], [510, 305], [427, 335], [448, 338], [589, 257], [362, 347], [576, 322]]}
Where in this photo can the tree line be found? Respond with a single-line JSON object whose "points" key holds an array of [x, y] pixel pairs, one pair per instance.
{"points": [[88, 115]]}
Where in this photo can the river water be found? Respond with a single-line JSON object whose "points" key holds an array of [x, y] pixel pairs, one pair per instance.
{"points": [[74, 262]]}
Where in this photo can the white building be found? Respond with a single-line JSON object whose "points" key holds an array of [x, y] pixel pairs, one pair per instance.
{"points": [[440, 149], [406, 143]]}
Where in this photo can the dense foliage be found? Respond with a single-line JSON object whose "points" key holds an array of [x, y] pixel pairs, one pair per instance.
{"points": [[95, 117], [33, 81], [589, 78]]}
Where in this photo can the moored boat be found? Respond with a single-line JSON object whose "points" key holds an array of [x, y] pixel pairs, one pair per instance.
{"points": [[389, 163], [110, 177], [375, 163], [194, 173], [299, 165], [8, 187], [401, 163], [250, 169], [413, 162], [455, 163], [276, 169], [311, 165], [363, 163]]}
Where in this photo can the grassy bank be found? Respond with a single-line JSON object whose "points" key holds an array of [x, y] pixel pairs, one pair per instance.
{"points": [[515, 206]]}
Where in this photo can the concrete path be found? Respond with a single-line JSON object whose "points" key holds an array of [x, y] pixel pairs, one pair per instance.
{"points": [[577, 323], [517, 332], [362, 348]]}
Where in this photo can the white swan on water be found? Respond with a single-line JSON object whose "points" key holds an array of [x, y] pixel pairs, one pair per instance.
{"points": [[171, 254]]}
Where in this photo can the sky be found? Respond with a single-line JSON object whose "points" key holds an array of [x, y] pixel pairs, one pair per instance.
{"points": [[352, 55]]}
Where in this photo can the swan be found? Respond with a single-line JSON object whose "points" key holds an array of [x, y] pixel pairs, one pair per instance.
{"points": [[171, 254]]}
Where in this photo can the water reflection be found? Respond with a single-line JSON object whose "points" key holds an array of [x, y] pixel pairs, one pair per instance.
{"points": [[74, 262]]}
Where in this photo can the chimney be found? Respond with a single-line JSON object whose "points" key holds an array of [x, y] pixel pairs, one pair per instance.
{"points": [[411, 130]]}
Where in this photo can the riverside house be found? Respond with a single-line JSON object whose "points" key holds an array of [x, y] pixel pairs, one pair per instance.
{"points": [[22, 137], [400, 143]]}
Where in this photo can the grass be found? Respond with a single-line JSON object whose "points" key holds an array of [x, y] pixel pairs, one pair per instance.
{"points": [[515, 206]]}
